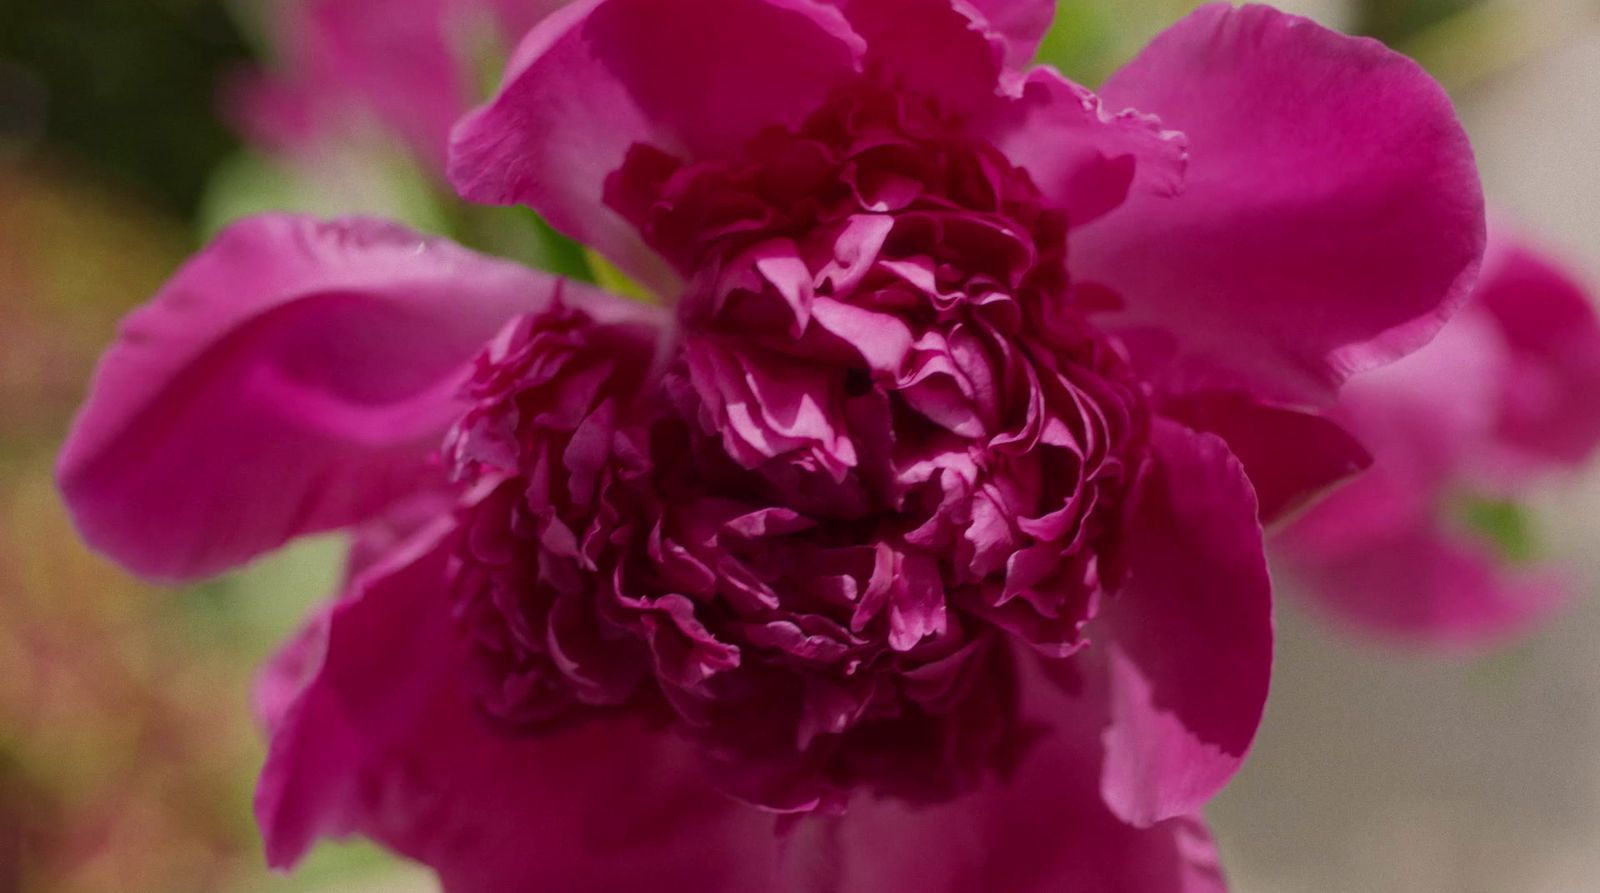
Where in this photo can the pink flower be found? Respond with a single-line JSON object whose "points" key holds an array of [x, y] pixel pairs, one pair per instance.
{"points": [[913, 515], [1503, 397], [404, 68]]}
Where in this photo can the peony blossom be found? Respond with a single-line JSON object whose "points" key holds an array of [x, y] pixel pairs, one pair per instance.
{"points": [[924, 513], [405, 69], [1430, 545]]}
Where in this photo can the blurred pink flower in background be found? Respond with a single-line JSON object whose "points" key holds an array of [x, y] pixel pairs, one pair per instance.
{"points": [[405, 68], [1430, 544], [956, 364]]}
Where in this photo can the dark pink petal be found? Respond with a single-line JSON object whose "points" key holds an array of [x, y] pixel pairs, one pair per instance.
{"points": [[373, 539], [291, 378], [695, 78], [1332, 217], [380, 740], [1550, 410], [940, 49], [1044, 830], [1291, 457], [1083, 157], [1022, 23], [1189, 634], [1428, 586]]}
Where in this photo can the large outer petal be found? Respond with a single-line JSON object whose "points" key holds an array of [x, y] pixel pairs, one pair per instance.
{"points": [[696, 77], [379, 740], [1082, 157], [1332, 217], [293, 377], [1189, 635], [1043, 830]]}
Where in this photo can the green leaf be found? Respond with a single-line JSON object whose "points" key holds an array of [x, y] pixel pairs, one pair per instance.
{"points": [[1506, 524], [614, 280], [561, 254]]}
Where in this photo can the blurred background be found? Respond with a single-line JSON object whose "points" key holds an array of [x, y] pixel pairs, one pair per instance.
{"points": [[132, 129]]}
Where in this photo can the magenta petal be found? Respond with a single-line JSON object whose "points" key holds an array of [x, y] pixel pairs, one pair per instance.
{"points": [[1043, 830], [694, 78], [1022, 23], [280, 681], [1291, 457], [319, 740], [941, 49], [1431, 587], [379, 740], [1332, 217], [1549, 408], [291, 378], [1190, 633], [1083, 157]]}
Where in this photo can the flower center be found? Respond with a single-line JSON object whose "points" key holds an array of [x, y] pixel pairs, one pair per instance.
{"points": [[885, 447]]}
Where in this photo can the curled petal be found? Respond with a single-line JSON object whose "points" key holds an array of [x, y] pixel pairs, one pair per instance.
{"points": [[695, 78], [1021, 23], [291, 378], [1332, 217], [1189, 634], [1083, 157]]}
